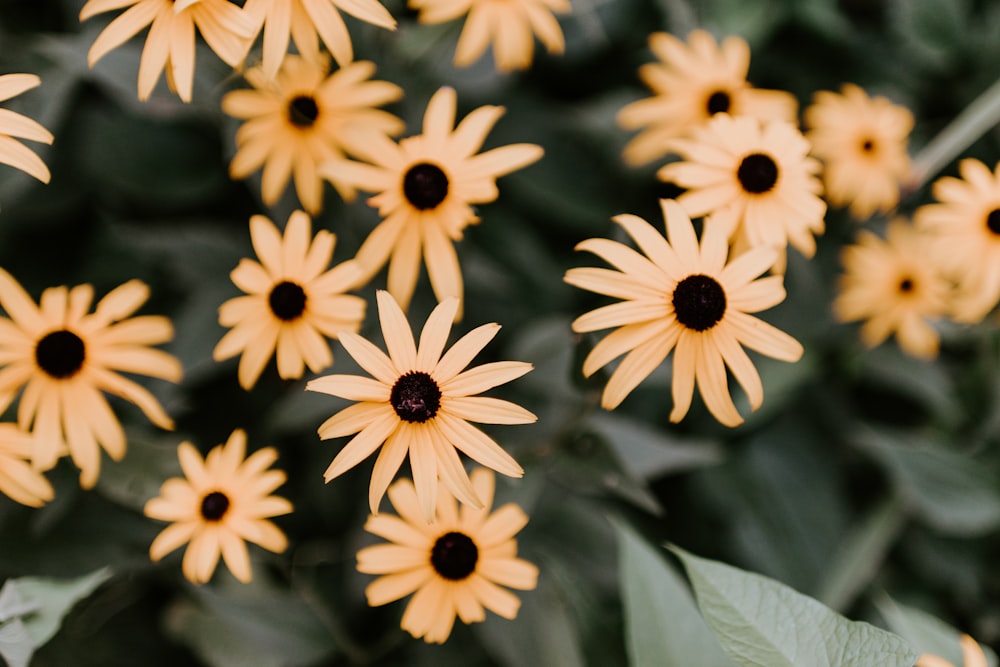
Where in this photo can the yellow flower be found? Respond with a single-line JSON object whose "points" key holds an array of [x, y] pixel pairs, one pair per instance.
{"points": [[862, 142], [751, 178], [14, 126], [170, 45], [692, 82], [221, 503], [972, 656], [18, 479], [456, 565], [301, 119], [425, 186], [965, 231], [894, 287], [64, 357], [420, 402], [292, 301], [683, 297], [510, 25], [307, 22]]}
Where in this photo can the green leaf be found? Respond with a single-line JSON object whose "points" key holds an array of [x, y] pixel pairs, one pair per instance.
{"points": [[662, 624], [763, 623], [927, 633]]}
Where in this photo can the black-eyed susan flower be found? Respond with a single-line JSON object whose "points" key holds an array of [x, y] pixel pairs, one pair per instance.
{"points": [[683, 297], [303, 118], [692, 82], [509, 25], [64, 357], [170, 45], [972, 656], [222, 502], [895, 288], [14, 126], [420, 402], [19, 480], [862, 143], [965, 229], [750, 178], [307, 22], [458, 565], [293, 303], [425, 186]]}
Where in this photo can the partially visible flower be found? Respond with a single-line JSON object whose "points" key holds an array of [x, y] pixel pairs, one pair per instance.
{"points": [[303, 118], [510, 25], [18, 479], [752, 178], [170, 45], [458, 565], [965, 231], [293, 303], [862, 143], [64, 358], [425, 186], [692, 82], [309, 21], [895, 288], [420, 402], [14, 126], [682, 296], [972, 656], [223, 502]]}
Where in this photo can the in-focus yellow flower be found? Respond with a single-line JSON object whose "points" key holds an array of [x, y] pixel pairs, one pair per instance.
{"points": [[170, 45], [972, 656], [425, 186], [307, 22], [682, 296], [457, 565], [64, 357], [14, 126], [752, 179], [420, 402], [302, 118], [862, 143], [18, 479], [292, 301], [895, 287], [223, 502], [965, 231], [692, 82], [510, 25]]}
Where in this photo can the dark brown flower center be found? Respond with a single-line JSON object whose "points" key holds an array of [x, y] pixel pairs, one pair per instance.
{"points": [[302, 111], [454, 556], [699, 302], [757, 173], [718, 102], [906, 285], [60, 354], [287, 301], [868, 145], [214, 506], [993, 221], [415, 397], [425, 186]]}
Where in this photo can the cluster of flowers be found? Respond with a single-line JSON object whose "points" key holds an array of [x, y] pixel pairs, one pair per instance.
{"points": [[749, 172]]}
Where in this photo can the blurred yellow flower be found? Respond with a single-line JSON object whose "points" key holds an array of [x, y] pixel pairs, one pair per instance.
{"points": [[64, 357], [170, 45], [18, 479], [307, 22], [683, 297], [510, 25], [292, 301], [972, 656], [303, 118], [425, 186], [420, 402], [14, 126], [750, 178], [221, 503], [460, 564], [862, 143], [691, 82]]}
